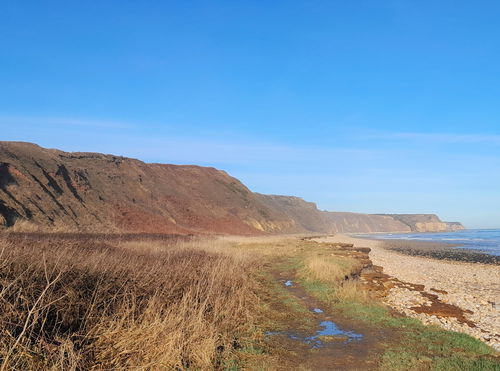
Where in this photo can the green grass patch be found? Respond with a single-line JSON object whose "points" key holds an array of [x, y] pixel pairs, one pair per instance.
{"points": [[231, 365], [438, 341], [289, 306], [374, 314], [401, 359], [460, 364], [290, 264], [430, 348], [318, 289]]}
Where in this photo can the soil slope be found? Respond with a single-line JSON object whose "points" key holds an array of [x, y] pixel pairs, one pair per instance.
{"points": [[54, 190]]}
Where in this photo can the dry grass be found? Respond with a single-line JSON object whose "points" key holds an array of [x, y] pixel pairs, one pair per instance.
{"points": [[99, 303], [353, 290], [265, 247], [25, 226], [317, 261], [337, 272], [331, 269]]}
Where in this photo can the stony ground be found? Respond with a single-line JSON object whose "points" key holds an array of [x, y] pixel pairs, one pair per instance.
{"points": [[472, 287]]}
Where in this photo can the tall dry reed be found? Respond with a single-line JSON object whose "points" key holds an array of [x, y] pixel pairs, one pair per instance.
{"points": [[337, 272], [331, 269], [91, 302]]}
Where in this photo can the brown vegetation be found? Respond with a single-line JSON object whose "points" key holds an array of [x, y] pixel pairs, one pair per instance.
{"points": [[86, 302], [153, 302]]}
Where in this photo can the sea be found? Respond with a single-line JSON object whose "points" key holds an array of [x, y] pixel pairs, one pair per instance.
{"points": [[483, 240]]}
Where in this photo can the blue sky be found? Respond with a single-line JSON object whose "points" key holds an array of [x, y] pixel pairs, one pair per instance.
{"points": [[369, 106]]}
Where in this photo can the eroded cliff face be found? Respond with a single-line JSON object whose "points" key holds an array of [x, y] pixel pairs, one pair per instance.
{"points": [[426, 223], [364, 223], [94, 192], [304, 213], [45, 189]]}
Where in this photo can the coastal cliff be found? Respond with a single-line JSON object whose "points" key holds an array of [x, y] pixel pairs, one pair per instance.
{"points": [[51, 190], [367, 223], [426, 223]]}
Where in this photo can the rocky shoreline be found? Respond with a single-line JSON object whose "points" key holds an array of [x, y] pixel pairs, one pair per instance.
{"points": [[439, 250], [456, 294], [480, 313]]}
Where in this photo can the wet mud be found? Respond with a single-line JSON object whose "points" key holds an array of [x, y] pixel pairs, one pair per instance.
{"points": [[331, 342]]}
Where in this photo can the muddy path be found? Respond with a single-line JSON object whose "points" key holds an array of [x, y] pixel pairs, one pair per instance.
{"points": [[328, 340]]}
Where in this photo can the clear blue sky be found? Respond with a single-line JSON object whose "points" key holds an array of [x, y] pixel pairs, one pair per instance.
{"points": [[369, 106]]}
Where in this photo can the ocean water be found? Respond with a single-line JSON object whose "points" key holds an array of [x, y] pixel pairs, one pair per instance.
{"points": [[484, 240]]}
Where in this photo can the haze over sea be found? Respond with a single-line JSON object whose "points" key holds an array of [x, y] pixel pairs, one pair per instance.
{"points": [[484, 240]]}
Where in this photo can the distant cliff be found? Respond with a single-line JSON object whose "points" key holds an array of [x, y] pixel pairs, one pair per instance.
{"points": [[46, 189], [426, 222], [306, 214], [355, 222], [404, 223]]}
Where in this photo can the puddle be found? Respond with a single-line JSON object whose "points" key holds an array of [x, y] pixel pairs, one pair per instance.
{"points": [[330, 329], [328, 333]]}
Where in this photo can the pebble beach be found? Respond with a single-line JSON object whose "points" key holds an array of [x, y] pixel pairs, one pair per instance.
{"points": [[472, 286]]}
